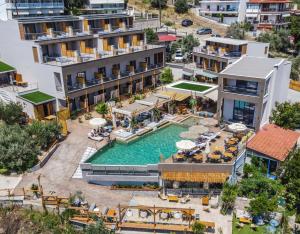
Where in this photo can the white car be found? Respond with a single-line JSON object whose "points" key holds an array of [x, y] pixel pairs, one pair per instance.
{"points": [[178, 56]]}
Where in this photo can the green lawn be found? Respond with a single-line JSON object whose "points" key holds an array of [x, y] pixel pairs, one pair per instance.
{"points": [[247, 229], [37, 97], [5, 67], [192, 87]]}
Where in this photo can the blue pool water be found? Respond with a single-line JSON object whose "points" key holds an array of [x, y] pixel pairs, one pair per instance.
{"points": [[145, 150]]}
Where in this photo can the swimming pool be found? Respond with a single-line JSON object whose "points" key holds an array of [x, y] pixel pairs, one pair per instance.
{"points": [[145, 150], [191, 121]]}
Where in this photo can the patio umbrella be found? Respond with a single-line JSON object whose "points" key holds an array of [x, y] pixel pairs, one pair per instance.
{"points": [[185, 145], [237, 127], [97, 122]]}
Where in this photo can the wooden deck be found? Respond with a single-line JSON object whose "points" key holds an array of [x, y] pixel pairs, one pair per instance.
{"points": [[157, 227]]}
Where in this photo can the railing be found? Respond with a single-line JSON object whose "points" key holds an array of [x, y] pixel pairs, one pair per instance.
{"points": [[36, 5], [193, 191], [240, 90], [205, 50], [123, 75], [275, 9], [218, 10]]}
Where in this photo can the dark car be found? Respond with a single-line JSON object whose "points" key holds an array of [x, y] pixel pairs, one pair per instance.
{"points": [[186, 22], [203, 31]]}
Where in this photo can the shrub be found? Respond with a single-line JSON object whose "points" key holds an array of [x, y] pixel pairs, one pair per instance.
{"points": [[181, 6]]}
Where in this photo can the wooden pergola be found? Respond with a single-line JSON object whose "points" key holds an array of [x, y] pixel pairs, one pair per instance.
{"points": [[197, 177]]}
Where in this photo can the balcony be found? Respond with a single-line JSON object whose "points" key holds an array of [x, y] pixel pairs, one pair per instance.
{"points": [[60, 60], [51, 34], [97, 80], [240, 90], [219, 52], [38, 5]]}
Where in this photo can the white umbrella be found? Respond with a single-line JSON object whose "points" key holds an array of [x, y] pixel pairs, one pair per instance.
{"points": [[237, 127], [207, 148], [97, 122], [185, 145]]}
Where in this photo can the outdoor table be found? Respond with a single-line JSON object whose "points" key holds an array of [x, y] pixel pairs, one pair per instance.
{"points": [[232, 149], [245, 220], [143, 214], [228, 155], [198, 157], [164, 215], [230, 142], [106, 134], [111, 213], [173, 198], [215, 156], [234, 139]]}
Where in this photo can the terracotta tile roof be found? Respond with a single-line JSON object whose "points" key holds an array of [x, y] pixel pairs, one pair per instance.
{"points": [[274, 142]]}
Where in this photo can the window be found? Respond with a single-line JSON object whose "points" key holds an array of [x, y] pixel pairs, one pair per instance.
{"points": [[244, 112], [69, 80], [266, 91], [58, 82], [266, 49]]}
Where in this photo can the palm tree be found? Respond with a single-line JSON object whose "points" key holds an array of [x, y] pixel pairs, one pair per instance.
{"points": [[102, 108], [193, 104]]}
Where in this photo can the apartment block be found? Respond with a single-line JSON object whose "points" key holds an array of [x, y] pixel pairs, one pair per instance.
{"points": [[249, 89], [268, 14], [105, 6], [217, 53], [81, 60], [10, 9], [223, 11]]}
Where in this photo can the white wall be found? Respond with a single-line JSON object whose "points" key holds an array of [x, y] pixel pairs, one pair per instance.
{"points": [[18, 53], [3, 12], [257, 49], [28, 107]]}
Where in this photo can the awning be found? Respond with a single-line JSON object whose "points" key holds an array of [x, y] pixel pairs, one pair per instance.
{"points": [[206, 74], [176, 96], [187, 73], [166, 38], [213, 95], [199, 177]]}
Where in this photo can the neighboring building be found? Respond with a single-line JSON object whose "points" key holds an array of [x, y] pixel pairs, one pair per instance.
{"points": [[81, 60], [218, 53], [224, 11], [249, 88], [272, 144], [105, 6], [268, 14], [11, 9]]}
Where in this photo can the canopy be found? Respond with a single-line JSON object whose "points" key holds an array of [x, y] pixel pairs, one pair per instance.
{"points": [[237, 127], [185, 145], [199, 177], [97, 122]]}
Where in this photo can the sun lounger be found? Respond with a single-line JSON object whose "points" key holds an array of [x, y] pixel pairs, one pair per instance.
{"points": [[162, 196], [95, 138], [185, 199]]}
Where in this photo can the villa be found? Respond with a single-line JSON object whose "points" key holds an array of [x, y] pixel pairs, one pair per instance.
{"points": [[249, 89], [80, 60], [217, 53]]}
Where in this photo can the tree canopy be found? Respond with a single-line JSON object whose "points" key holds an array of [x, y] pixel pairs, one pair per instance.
{"points": [[101, 108], [11, 113], [286, 115], [295, 71], [155, 3], [235, 31], [279, 40], [151, 36], [166, 76], [181, 6], [262, 204], [189, 42], [229, 195], [198, 228]]}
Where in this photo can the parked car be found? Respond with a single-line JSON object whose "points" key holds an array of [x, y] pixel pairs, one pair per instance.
{"points": [[203, 31], [178, 56], [186, 22]]}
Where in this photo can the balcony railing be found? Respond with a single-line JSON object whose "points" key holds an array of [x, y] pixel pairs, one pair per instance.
{"points": [[219, 52], [122, 75], [40, 36], [240, 90], [36, 5]]}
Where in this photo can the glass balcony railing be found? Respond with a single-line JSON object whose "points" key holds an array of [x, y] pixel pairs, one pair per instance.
{"points": [[36, 5], [122, 75], [240, 90]]}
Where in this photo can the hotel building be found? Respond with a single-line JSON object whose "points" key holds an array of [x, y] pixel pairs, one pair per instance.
{"points": [[10, 9], [217, 53], [249, 89], [81, 60]]}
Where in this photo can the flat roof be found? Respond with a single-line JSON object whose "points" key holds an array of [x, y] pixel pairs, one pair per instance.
{"points": [[4, 67], [225, 40], [274, 142], [37, 97], [256, 67]]}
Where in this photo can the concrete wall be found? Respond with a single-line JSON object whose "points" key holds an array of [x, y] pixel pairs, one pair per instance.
{"points": [[27, 107], [257, 49], [18, 53]]}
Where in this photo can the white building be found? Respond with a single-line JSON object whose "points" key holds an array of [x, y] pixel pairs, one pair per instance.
{"points": [[105, 6], [80, 60], [224, 11], [10, 9], [249, 89]]}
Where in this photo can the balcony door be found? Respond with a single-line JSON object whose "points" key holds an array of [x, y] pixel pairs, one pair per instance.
{"points": [[244, 112]]}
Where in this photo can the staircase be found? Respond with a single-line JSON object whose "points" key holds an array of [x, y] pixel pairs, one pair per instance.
{"points": [[6, 96]]}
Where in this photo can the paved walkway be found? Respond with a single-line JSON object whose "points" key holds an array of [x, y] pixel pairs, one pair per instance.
{"points": [[57, 174]]}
